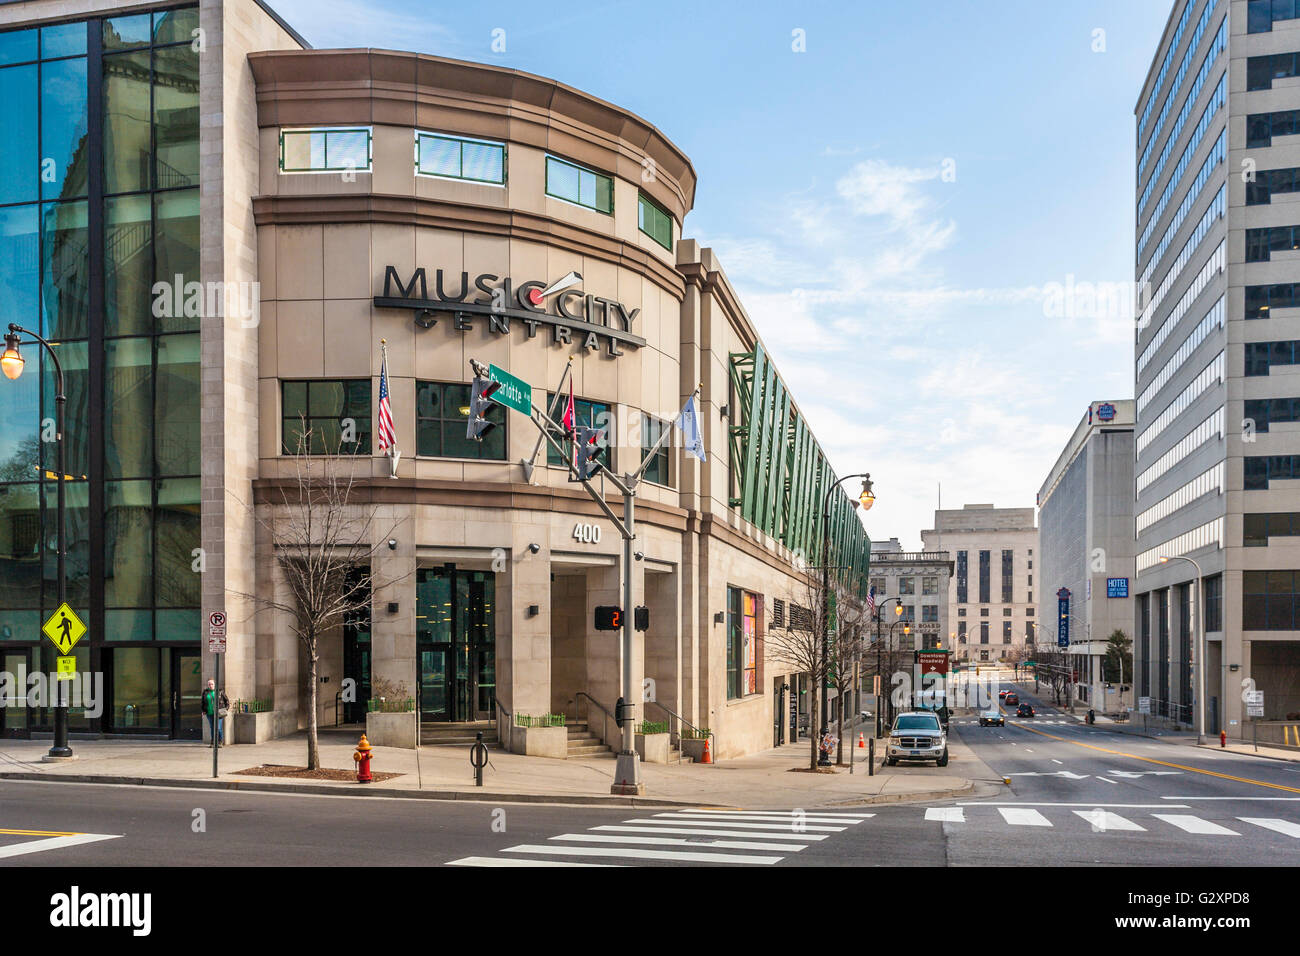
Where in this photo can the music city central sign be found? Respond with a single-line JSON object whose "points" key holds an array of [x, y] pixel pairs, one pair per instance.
{"points": [[571, 315]]}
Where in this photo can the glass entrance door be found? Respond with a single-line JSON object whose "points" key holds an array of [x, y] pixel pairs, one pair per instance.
{"points": [[456, 641], [15, 720], [187, 697]]}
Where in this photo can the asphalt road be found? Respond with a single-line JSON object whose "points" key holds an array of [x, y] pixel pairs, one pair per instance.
{"points": [[1078, 795]]}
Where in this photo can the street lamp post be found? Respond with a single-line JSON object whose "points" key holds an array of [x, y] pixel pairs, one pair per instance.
{"points": [[12, 363], [1198, 633], [907, 630], [867, 499]]}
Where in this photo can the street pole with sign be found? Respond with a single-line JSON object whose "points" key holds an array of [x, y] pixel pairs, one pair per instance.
{"points": [[217, 647]]}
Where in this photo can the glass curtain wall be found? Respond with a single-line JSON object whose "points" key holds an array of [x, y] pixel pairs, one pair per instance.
{"points": [[99, 239]]}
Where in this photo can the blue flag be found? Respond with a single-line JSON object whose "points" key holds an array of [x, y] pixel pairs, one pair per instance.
{"points": [[689, 422]]}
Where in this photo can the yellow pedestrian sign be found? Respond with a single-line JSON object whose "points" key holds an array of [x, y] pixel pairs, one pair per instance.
{"points": [[64, 628], [67, 667]]}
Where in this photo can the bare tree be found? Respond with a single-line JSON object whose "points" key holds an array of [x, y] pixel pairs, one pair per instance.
{"points": [[1053, 667], [846, 652], [799, 645], [324, 540]]}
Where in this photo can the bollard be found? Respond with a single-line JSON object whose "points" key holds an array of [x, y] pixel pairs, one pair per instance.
{"points": [[871, 757], [478, 755]]}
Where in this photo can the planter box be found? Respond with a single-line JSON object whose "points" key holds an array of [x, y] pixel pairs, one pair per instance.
{"points": [[392, 730], [653, 748], [540, 741], [258, 728], [694, 749]]}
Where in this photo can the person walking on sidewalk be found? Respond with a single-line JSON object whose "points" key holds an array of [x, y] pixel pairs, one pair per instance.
{"points": [[215, 707]]}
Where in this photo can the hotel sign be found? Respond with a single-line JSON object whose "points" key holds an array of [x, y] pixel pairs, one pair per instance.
{"points": [[571, 315]]}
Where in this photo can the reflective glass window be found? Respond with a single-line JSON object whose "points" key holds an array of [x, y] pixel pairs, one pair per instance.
{"points": [[176, 116], [128, 408], [177, 405], [19, 152], [127, 112], [128, 544], [64, 132]]}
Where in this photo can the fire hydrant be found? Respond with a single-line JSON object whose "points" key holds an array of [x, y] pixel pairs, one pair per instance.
{"points": [[362, 758], [1223, 738]]}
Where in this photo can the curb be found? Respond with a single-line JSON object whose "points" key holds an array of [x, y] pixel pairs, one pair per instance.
{"points": [[342, 791], [1258, 756]]}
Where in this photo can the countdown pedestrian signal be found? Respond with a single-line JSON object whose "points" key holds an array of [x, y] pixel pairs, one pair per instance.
{"points": [[609, 618]]}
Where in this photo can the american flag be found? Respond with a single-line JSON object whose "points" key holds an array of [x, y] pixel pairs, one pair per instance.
{"points": [[871, 600], [387, 436]]}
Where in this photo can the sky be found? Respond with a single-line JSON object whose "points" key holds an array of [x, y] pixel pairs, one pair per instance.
{"points": [[925, 207]]}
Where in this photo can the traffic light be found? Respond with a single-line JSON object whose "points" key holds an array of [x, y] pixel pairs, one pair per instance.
{"points": [[480, 402], [586, 447], [609, 617]]}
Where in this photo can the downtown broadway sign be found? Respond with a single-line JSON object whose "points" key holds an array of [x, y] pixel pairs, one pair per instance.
{"points": [[569, 315]]}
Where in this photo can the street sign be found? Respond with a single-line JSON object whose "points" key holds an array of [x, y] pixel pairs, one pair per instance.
{"points": [[1144, 705], [933, 661], [1254, 703], [217, 632], [67, 667], [1063, 617], [64, 628], [514, 392]]}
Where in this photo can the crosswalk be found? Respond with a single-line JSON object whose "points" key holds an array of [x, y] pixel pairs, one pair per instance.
{"points": [[731, 837], [1104, 820]]}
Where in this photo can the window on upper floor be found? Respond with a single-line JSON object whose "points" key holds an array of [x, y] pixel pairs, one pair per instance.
{"points": [[1262, 14], [929, 614], [654, 222], [335, 413], [658, 470], [1261, 243], [325, 150], [441, 420], [1268, 182], [907, 585], [1261, 71], [579, 185], [1261, 356], [455, 157], [930, 585]]}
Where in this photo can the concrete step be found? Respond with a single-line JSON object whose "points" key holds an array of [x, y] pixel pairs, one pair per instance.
{"points": [[588, 750]]}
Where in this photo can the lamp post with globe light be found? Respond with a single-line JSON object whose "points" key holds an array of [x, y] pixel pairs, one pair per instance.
{"points": [[12, 364], [867, 498]]}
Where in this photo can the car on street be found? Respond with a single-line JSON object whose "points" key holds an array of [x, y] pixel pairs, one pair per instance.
{"points": [[1024, 710], [1011, 699], [992, 718], [1002, 694], [917, 735]]}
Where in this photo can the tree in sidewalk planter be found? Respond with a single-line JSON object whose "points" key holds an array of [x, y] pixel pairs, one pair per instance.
{"points": [[325, 537], [798, 646], [1117, 665]]}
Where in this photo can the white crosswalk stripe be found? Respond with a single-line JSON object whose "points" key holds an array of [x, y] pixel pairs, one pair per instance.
{"points": [[1191, 824], [1023, 817], [945, 814], [1285, 827], [1104, 821], [685, 836]]}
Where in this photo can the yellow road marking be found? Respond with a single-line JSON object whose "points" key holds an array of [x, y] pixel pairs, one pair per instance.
{"points": [[50, 833], [1163, 763]]}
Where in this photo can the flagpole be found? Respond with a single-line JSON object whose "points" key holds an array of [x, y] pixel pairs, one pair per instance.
{"points": [[393, 454]]}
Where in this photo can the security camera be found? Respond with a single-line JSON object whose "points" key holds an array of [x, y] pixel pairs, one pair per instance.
{"points": [[638, 555], [534, 547]]}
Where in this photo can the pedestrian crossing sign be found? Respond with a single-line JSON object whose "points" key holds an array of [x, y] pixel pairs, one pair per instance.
{"points": [[67, 667], [64, 628]]}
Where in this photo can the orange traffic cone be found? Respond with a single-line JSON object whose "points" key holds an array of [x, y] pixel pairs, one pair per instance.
{"points": [[708, 757], [862, 740]]}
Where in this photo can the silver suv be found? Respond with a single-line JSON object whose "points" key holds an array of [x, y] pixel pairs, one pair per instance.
{"points": [[917, 736]]}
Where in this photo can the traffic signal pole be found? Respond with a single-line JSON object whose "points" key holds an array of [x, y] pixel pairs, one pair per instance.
{"points": [[627, 769]]}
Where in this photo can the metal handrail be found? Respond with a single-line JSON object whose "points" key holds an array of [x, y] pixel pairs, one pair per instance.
{"points": [[604, 724], [510, 723], [338, 699], [682, 720]]}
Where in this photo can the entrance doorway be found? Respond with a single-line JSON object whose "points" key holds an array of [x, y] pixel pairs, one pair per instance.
{"points": [[187, 697], [356, 661], [456, 643], [15, 718]]}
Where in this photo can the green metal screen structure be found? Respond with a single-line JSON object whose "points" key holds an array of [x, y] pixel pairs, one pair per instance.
{"points": [[782, 474]]}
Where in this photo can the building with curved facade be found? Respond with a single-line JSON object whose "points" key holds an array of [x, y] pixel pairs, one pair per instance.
{"points": [[290, 210]]}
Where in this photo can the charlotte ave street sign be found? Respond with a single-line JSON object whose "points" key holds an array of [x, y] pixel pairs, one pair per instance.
{"points": [[514, 392]]}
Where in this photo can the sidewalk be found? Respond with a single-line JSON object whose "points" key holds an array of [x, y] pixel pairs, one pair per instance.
{"points": [[758, 781]]}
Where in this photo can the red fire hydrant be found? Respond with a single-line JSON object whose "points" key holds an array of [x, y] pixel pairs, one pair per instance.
{"points": [[1223, 738], [362, 758]]}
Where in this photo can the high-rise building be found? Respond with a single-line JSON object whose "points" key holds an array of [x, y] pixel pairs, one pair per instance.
{"points": [[1085, 535], [991, 606], [1218, 360]]}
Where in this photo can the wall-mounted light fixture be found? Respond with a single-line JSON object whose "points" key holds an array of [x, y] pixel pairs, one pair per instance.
{"points": [[534, 547], [534, 610], [392, 544], [724, 411], [719, 617], [393, 607], [1234, 667]]}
